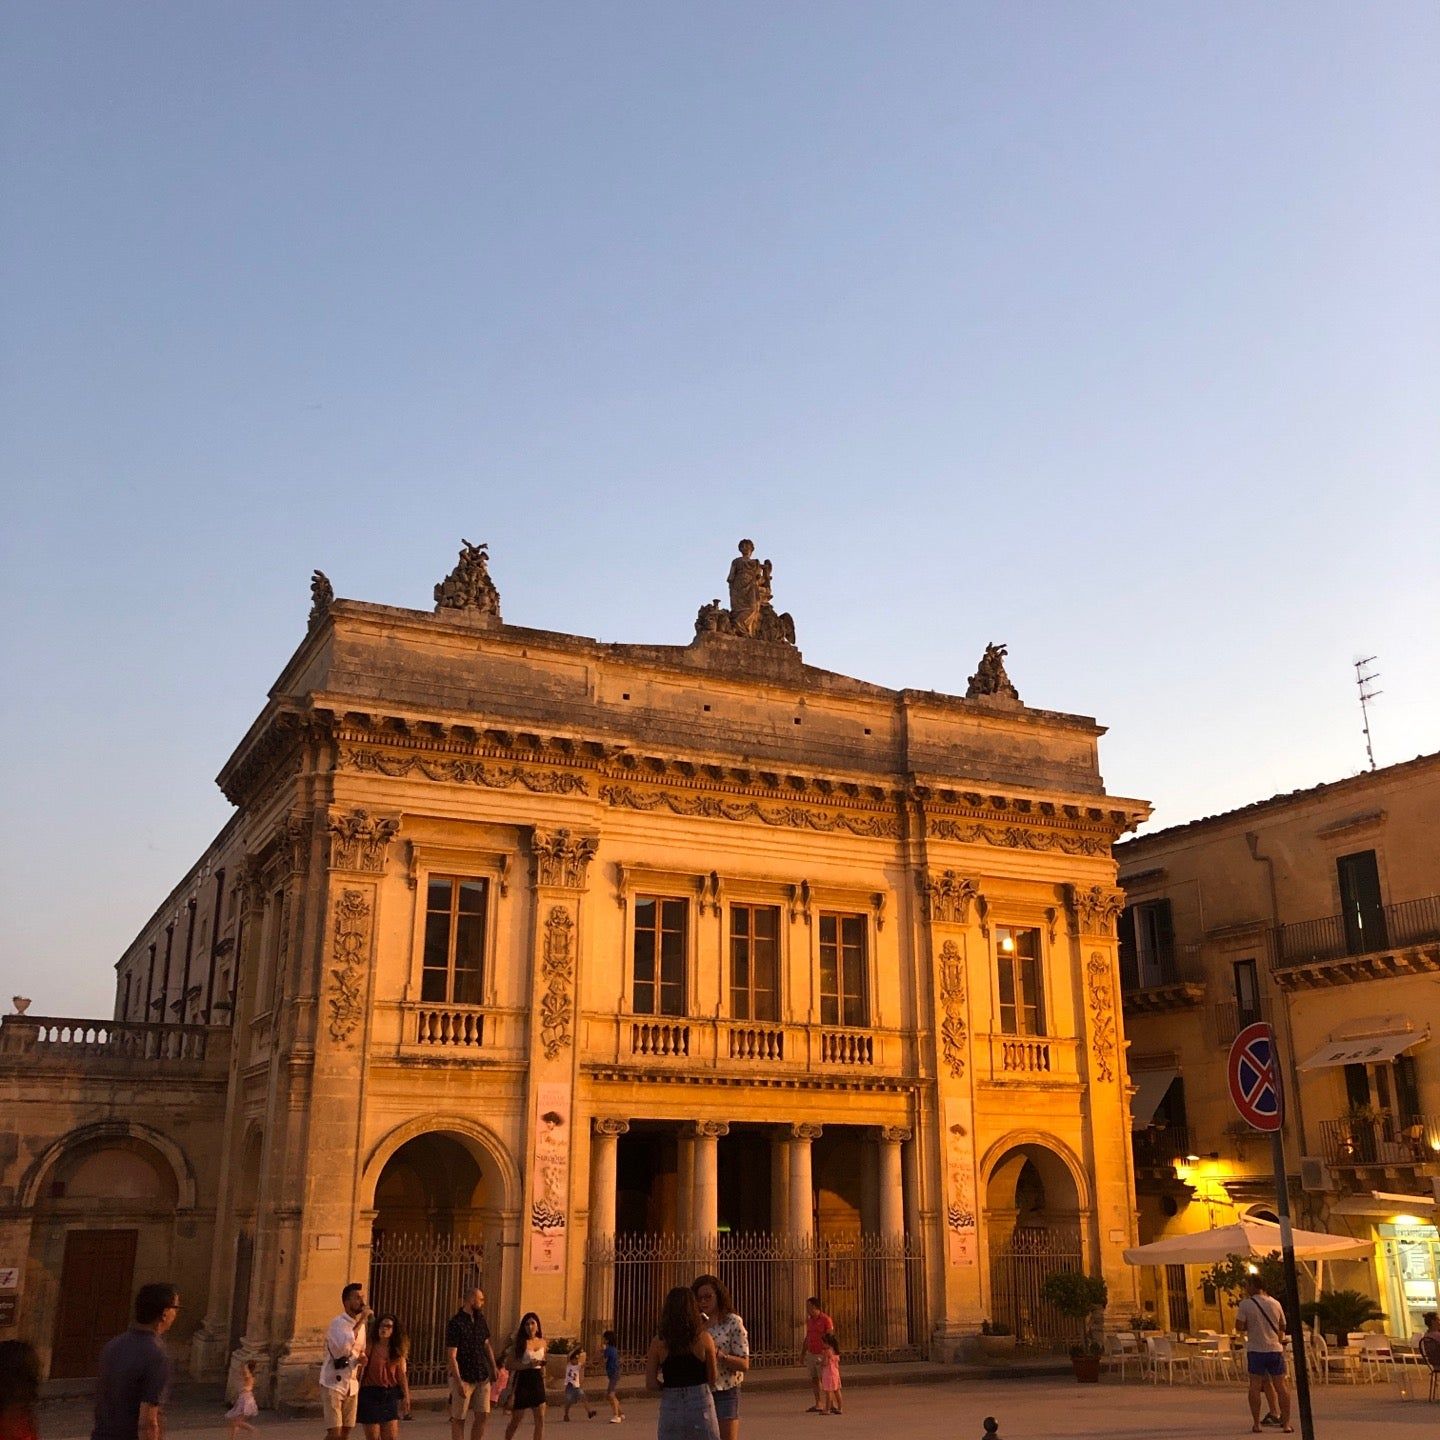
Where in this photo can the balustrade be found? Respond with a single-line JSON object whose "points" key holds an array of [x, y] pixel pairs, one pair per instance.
{"points": [[458, 1027], [59, 1038], [756, 1042], [660, 1039], [847, 1047]]}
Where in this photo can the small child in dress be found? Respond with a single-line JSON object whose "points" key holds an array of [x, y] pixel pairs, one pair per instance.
{"points": [[575, 1383], [244, 1410], [830, 1374], [501, 1383], [610, 1350]]}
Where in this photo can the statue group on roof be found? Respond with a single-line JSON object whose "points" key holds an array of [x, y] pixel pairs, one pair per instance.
{"points": [[751, 615], [469, 586]]}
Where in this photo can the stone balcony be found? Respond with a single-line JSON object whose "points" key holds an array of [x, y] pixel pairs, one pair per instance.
{"points": [[67, 1042], [1047, 1061]]}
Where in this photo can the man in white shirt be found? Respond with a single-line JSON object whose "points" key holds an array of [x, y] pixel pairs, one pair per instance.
{"points": [[1262, 1318], [344, 1355]]}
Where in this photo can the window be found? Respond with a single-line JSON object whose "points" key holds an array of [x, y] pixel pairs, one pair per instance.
{"points": [[1247, 993], [842, 971], [1361, 912], [659, 955], [454, 956], [754, 962], [1147, 945], [1022, 1011]]}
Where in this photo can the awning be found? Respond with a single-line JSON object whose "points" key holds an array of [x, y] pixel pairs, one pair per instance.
{"points": [[1382, 1202], [1374, 1050], [1150, 1088]]}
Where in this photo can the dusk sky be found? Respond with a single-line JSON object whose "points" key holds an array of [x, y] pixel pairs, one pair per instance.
{"points": [[1111, 332]]}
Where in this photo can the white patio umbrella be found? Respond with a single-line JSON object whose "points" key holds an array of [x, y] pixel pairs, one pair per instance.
{"points": [[1249, 1237]]}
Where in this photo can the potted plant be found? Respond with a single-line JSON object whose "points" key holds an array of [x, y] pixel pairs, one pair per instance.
{"points": [[1341, 1311], [557, 1354], [995, 1341], [1077, 1297]]}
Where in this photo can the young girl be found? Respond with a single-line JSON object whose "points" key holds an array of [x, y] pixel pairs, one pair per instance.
{"points": [[830, 1374], [575, 1383], [244, 1410], [499, 1388]]}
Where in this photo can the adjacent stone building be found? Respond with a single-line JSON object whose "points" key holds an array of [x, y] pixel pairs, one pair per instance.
{"points": [[1318, 911], [570, 966]]}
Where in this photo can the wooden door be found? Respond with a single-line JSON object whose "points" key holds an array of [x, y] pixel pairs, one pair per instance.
{"points": [[97, 1279]]}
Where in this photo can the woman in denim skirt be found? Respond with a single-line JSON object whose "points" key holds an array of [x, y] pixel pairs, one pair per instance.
{"points": [[680, 1364]]}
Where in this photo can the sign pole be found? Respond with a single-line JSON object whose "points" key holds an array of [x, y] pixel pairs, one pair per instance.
{"points": [[1293, 1322]]}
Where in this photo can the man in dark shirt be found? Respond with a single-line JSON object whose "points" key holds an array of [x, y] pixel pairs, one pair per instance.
{"points": [[134, 1377], [472, 1367]]}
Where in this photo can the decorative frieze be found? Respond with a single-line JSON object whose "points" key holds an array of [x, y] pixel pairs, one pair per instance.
{"points": [[557, 969], [1096, 908], [954, 1032], [712, 807], [359, 841], [947, 897], [1018, 837], [349, 946], [561, 857], [1100, 991], [462, 772]]}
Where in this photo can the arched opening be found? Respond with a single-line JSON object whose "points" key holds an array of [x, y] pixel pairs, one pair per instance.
{"points": [[438, 1212], [1033, 1228], [104, 1214]]}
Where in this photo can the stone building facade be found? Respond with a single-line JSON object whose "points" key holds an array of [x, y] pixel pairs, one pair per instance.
{"points": [[1318, 911], [542, 960]]}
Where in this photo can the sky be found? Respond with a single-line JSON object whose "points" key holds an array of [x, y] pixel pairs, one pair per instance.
{"points": [[1110, 332]]}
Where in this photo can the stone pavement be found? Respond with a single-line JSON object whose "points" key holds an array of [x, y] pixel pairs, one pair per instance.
{"points": [[1029, 1408]]}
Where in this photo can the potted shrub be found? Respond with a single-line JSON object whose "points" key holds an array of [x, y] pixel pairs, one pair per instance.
{"points": [[557, 1355], [1341, 1311], [1077, 1297], [995, 1342]]}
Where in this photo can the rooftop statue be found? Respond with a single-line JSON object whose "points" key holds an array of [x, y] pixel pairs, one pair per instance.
{"points": [[751, 615], [322, 596], [469, 586], [990, 677]]}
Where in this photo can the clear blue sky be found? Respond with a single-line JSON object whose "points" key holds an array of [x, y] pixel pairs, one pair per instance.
{"points": [[1109, 331]]}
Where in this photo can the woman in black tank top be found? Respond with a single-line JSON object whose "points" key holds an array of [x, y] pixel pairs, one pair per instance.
{"points": [[681, 1366]]}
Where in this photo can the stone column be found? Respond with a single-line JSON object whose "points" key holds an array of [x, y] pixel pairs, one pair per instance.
{"points": [[779, 1184], [604, 1144], [892, 1230], [805, 1280], [685, 1180], [705, 1215]]}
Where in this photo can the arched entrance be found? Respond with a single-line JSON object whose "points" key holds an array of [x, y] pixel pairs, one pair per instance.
{"points": [[439, 1206], [1033, 1217]]}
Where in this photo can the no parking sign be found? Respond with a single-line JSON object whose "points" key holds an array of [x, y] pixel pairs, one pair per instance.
{"points": [[1254, 1075]]}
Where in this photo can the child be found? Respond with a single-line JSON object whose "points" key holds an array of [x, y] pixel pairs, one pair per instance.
{"points": [[501, 1384], [611, 1352], [830, 1374], [243, 1411], [574, 1383]]}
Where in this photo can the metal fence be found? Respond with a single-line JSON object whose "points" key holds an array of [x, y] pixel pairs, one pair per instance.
{"points": [[1017, 1274], [872, 1286], [420, 1278]]}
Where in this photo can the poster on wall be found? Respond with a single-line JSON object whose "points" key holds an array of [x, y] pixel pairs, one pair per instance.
{"points": [[552, 1169], [961, 1225]]}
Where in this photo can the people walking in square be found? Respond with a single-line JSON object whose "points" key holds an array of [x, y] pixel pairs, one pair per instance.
{"points": [[575, 1383], [610, 1351], [1262, 1318], [133, 1382], [680, 1364], [732, 1350], [471, 1366], [385, 1381], [244, 1410], [19, 1389], [344, 1355], [812, 1348], [830, 1374], [527, 1364]]}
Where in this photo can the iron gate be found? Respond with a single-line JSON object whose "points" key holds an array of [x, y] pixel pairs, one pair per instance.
{"points": [[872, 1286], [420, 1279], [1017, 1274]]}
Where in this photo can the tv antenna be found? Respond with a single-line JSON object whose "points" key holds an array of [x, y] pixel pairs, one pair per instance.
{"points": [[1365, 678]]}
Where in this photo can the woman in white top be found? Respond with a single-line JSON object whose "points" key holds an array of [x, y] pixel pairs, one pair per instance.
{"points": [[732, 1351]]}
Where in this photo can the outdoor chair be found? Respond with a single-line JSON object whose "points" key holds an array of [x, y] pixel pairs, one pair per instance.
{"points": [[1163, 1355], [1336, 1364], [1376, 1353], [1214, 1359], [1122, 1351]]}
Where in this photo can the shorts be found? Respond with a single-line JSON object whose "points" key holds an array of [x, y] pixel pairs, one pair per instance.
{"points": [[469, 1398], [379, 1404], [574, 1395], [727, 1403], [612, 1384], [1265, 1362], [814, 1362], [339, 1407]]}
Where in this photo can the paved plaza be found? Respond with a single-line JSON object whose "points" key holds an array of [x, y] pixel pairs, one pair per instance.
{"points": [[1029, 1409]]}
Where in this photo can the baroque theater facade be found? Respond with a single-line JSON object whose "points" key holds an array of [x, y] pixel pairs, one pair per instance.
{"points": [[571, 967]]}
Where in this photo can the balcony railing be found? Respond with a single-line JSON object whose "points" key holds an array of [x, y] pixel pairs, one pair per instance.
{"points": [[1230, 1019], [1338, 937], [1356, 1140], [1158, 1147], [1015, 1058], [42, 1038], [1166, 964]]}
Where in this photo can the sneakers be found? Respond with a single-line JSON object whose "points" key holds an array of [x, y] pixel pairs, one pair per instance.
{"points": [[616, 1419]]}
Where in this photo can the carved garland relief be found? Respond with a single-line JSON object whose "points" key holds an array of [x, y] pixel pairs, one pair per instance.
{"points": [[558, 969], [463, 772], [1016, 837], [711, 807], [349, 944], [1100, 987], [954, 1033]]}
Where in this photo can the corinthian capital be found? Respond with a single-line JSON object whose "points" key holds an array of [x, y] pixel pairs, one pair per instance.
{"points": [[359, 840], [561, 858], [1096, 907]]}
